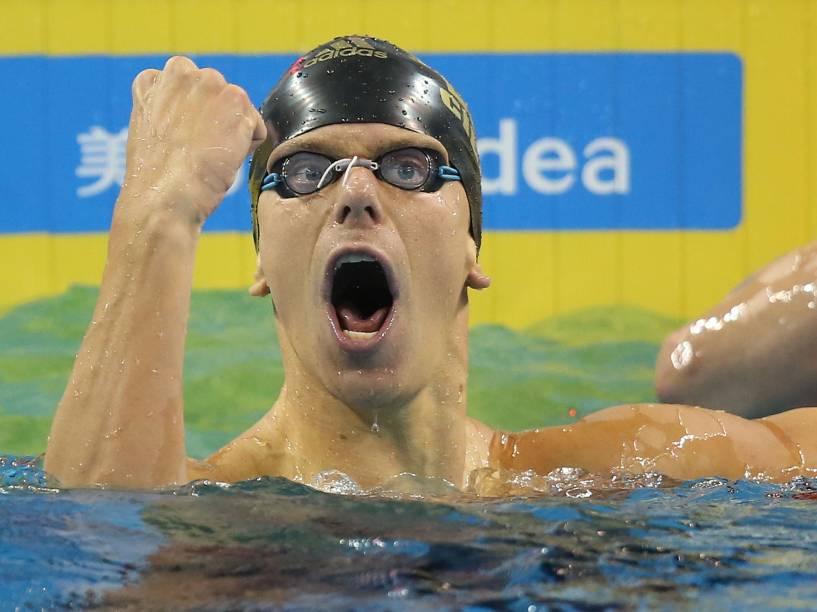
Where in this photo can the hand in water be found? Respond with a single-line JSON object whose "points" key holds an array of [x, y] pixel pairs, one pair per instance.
{"points": [[189, 133]]}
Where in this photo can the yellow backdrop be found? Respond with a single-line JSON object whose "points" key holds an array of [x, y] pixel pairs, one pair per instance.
{"points": [[536, 274]]}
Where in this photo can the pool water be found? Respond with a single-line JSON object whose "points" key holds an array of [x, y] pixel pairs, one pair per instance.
{"points": [[590, 543]]}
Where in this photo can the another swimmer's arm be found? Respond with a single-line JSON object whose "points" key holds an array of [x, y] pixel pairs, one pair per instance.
{"points": [[682, 442], [754, 353], [120, 421]]}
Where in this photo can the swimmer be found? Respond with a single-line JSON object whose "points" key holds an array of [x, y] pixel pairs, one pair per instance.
{"points": [[367, 223], [753, 353]]}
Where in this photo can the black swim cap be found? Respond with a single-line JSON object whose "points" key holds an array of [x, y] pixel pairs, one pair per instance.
{"points": [[358, 79]]}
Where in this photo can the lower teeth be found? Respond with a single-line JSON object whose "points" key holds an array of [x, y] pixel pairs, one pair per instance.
{"points": [[355, 335]]}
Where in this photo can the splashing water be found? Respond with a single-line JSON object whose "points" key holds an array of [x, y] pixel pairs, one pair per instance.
{"points": [[591, 542]]}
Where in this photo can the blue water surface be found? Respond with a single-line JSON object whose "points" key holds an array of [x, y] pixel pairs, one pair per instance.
{"points": [[589, 544]]}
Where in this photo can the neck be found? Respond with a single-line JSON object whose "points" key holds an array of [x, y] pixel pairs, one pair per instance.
{"points": [[425, 435]]}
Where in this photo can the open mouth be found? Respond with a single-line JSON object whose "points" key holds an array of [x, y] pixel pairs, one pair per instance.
{"points": [[361, 296]]}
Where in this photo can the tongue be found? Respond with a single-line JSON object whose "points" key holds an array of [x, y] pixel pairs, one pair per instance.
{"points": [[351, 319]]}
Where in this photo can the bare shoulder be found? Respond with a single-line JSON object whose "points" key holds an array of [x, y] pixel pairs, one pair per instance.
{"points": [[231, 463], [250, 455], [795, 418], [800, 426]]}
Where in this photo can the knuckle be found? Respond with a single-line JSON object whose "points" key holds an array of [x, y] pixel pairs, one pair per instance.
{"points": [[211, 76], [144, 80], [247, 123], [149, 74], [237, 93], [179, 63]]}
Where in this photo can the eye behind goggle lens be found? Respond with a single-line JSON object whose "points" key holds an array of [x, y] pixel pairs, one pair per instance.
{"points": [[303, 171], [406, 168]]}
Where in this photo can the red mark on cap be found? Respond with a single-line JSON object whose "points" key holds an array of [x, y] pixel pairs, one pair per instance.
{"points": [[571, 412], [296, 66]]}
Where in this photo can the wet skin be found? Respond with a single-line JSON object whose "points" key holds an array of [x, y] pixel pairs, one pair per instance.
{"points": [[371, 407], [753, 353], [367, 409]]}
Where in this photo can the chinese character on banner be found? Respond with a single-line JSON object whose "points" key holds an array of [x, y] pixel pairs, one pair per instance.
{"points": [[103, 158]]}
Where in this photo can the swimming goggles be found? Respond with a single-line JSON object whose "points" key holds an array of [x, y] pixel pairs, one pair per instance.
{"points": [[412, 169]]}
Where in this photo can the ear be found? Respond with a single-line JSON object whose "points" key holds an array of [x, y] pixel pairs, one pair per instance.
{"points": [[259, 288], [476, 279]]}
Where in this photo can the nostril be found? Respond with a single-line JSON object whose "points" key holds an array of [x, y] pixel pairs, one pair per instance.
{"points": [[346, 213]]}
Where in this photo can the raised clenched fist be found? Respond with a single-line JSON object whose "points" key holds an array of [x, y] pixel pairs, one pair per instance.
{"points": [[189, 133]]}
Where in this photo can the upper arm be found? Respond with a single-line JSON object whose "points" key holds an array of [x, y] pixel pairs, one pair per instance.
{"points": [[682, 442]]}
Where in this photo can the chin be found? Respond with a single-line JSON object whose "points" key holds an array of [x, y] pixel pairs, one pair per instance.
{"points": [[388, 377], [370, 389]]}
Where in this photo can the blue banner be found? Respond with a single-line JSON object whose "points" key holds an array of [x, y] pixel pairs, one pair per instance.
{"points": [[569, 141]]}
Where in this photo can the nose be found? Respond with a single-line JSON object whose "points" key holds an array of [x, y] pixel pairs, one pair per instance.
{"points": [[358, 204]]}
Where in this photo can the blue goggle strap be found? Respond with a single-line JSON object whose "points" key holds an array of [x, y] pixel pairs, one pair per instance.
{"points": [[448, 173], [271, 181]]}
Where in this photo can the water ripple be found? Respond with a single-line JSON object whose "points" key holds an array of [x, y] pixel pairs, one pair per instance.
{"points": [[269, 542]]}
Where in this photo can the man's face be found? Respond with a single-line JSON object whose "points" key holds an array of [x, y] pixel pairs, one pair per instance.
{"points": [[367, 278]]}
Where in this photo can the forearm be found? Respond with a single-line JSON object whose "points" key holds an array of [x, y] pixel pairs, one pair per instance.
{"points": [[713, 362], [753, 353], [120, 421], [752, 368]]}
